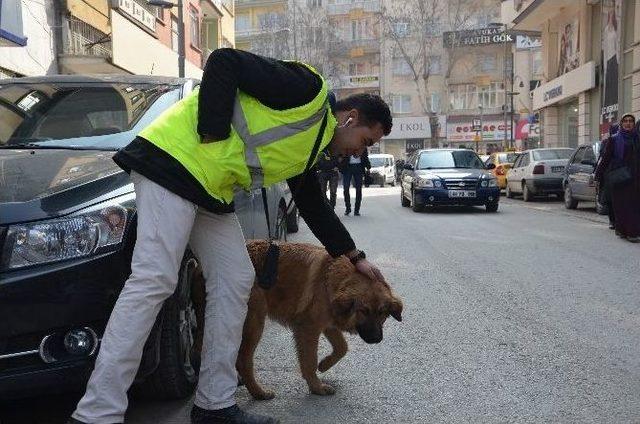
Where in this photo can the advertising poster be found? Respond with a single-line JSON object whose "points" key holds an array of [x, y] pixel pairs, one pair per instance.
{"points": [[611, 11]]}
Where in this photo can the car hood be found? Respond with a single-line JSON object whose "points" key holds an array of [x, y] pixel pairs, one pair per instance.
{"points": [[452, 173], [46, 183]]}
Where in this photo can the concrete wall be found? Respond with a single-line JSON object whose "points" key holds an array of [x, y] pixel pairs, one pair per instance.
{"points": [[38, 56]]}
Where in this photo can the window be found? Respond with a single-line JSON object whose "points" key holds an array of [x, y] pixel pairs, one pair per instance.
{"points": [[400, 29], [358, 29], [449, 159], [491, 96], [462, 96], [525, 160], [401, 103], [434, 65], [401, 66], [270, 21], [537, 62], [435, 102], [433, 28], [314, 3], [243, 22], [578, 156], [550, 154], [589, 154], [356, 69], [487, 62], [174, 33], [518, 161], [194, 27]]}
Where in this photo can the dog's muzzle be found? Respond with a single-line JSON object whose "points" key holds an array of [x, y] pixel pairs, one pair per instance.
{"points": [[370, 333]]}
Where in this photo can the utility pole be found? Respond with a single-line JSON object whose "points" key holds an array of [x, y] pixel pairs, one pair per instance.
{"points": [[169, 5]]}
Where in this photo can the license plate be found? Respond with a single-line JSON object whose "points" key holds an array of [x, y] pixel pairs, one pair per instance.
{"points": [[462, 193], [557, 168]]}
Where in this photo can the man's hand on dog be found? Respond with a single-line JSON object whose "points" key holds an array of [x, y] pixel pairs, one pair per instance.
{"points": [[367, 268]]}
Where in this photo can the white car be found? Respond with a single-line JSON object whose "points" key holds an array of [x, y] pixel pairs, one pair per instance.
{"points": [[538, 172], [383, 169]]}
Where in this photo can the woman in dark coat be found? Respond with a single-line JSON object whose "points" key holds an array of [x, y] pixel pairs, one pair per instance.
{"points": [[623, 150]]}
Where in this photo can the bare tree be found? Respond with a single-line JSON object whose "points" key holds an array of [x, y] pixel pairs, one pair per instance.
{"points": [[414, 28]]}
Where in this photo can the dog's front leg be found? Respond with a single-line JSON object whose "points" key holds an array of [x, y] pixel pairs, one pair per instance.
{"points": [[307, 346], [339, 345]]}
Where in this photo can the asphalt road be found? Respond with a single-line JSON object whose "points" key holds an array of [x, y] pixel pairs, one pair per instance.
{"points": [[526, 315]]}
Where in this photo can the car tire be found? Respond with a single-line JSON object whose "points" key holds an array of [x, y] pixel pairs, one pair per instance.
{"points": [[382, 183], [526, 194], [600, 208], [414, 205], [508, 192], [393, 182], [403, 200], [492, 207], [569, 201], [281, 229], [293, 220], [176, 375]]}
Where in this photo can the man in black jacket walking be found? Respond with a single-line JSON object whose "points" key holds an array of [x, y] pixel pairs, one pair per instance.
{"points": [[354, 167], [328, 174]]}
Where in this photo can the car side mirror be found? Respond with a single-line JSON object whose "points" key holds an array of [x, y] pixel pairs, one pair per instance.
{"points": [[588, 162], [491, 166]]}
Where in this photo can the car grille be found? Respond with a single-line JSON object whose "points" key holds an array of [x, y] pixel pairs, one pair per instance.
{"points": [[460, 184]]}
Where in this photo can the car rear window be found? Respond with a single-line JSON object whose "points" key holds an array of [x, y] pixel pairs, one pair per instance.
{"points": [[551, 154], [507, 158], [79, 114]]}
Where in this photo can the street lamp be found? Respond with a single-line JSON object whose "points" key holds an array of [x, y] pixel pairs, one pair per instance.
{"points": [[169, 5], [504, 80]]}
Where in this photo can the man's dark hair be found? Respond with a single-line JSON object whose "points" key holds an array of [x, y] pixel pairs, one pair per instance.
{"points": [[371, 107]]}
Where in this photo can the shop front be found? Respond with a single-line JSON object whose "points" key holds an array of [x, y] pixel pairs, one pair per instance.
{"points": [[460, 134], [409, 134]]}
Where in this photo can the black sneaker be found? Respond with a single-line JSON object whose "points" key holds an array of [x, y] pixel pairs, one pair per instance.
{"points": [[347, 212], [612, 226], [356, 213], [230, 415]]}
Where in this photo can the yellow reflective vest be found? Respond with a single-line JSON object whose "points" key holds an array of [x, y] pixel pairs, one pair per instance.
{"points": [[265, 145]]}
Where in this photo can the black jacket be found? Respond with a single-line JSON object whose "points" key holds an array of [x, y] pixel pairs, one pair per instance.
{"points": [[277, 84], [364, 162]]}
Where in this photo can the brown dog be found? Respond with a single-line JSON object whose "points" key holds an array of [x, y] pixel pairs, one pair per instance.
{"points": [[315, 294]]}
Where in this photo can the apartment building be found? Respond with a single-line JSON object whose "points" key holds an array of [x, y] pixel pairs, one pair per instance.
{"points": [[121, 36]]}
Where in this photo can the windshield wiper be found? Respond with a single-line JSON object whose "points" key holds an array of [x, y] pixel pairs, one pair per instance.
{"points": [[37, 146]]}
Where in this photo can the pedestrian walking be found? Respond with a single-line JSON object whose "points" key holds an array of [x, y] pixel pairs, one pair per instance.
{"points": [[253, 122], [328, 175], [604, 194], [619, 169], [354, 168]]}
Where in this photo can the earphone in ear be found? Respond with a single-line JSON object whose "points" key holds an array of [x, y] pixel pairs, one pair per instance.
{"points": [[347, 122]]}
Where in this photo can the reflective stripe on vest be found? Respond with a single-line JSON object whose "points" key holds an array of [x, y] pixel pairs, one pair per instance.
{"points": [[263, 138]]}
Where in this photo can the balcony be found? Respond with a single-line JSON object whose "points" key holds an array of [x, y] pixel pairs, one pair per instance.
{"points": [[356, 81], [355, 48], [85, 50], [369, 6]]}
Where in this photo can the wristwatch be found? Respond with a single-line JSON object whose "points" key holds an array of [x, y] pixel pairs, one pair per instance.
{"points": [[356, 258]]}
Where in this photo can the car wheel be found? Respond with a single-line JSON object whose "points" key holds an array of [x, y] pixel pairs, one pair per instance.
{"points": [[393, 182], [292, 220], [281, 223], [569, 201], [492, 207], [526, 194], [508, 192], [382, 183], [176, 375], [414, 204], [600, 208], [403, 200]]}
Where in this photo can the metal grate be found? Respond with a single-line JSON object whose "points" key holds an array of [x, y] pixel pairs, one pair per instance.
{"points": [[461, 184], [84, 39]]}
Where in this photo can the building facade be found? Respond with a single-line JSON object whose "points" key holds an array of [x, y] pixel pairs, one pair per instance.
{"points": [[589, 70], [119, 36]]}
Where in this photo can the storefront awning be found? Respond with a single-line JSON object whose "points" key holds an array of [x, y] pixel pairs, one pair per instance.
{"points": [[538, 12]]}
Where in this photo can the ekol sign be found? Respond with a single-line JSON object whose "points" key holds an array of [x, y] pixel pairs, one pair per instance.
{"points": [[476, 37]]}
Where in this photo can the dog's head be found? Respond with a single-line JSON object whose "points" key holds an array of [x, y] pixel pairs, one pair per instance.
{"points": [[358, 304]]}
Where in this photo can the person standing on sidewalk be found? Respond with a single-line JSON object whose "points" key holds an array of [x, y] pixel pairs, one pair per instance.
{"points": [[253, 122], [328, 174], [620, 169], [604, 192], [354, 167]]}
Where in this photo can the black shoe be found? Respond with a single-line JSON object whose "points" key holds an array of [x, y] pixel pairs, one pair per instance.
{"points": [[612, 226], [230, 415], [347, 212], [357, 213]]}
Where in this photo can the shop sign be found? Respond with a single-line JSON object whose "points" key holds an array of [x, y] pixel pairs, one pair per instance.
{"points": [[414, 127], [414, 145], [565, 86], [491, 130], [476, 37]]}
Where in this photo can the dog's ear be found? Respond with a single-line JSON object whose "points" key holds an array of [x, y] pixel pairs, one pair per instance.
{"points": [[395, 308]]}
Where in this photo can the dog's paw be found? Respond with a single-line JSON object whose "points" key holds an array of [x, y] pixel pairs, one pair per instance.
{"points": [[264, 395], [323, 390]]}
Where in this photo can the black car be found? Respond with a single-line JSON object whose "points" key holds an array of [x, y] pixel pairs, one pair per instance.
{"points": [[578, 182], [438, 177], [67, 230]]}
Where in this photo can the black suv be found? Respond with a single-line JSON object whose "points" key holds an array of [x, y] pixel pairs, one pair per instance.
{"points": [[67, 230]]}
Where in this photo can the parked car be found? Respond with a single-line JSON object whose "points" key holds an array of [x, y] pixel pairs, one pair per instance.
{"points": [[538, 172], [503, 162], [436, 177], [68, 227], [579, 184], [383, 169]]}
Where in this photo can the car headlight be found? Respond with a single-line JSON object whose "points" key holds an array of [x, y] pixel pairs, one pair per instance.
{"points": [[95, 230], [492, 182], [425, 183]]}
